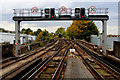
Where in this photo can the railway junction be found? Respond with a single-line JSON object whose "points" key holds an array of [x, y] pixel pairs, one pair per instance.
{"points": [[61, 59]]}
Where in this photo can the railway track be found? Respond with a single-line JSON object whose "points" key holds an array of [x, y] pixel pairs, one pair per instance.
{"points": [[50, 64], [14, 60], [48, 68], [34, 57], [96, 65], [109, 62]]}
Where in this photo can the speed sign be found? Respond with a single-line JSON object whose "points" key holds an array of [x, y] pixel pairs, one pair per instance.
{"points": [[92, 9], [63, 10], [34, 10]]}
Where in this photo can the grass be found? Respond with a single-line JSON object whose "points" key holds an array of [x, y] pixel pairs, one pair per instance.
{"points": [[50, 70], [102, 72], [44, 76], [51, 61], [95, 66]]}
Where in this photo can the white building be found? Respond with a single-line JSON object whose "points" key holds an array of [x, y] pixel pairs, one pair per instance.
{"points": [[97, 40], [10, 37]]}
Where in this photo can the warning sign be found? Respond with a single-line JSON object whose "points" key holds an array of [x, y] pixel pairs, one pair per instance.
{"points": [[92, 9], [63, 10], [34, 10]]}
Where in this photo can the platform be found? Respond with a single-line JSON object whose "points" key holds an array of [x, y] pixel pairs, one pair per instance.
{"points": [[77, 70]]}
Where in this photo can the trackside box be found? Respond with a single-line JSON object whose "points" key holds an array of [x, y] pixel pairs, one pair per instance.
{"points": [[117, 48]]}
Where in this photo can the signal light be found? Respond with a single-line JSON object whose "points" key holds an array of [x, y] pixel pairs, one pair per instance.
{"points": [[82, 12], [47, 13], [77, 12], [52, 12], [16, 44]]}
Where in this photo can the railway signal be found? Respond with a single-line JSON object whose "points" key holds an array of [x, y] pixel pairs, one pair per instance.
{"points": [[82, 12], [16, 44], [52, 12], [77, 12], [47, 13]]}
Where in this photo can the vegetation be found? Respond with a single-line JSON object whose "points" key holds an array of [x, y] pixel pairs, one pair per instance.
{"points": [[60, 32], [44, 35], [6, 31], [27, 31], [81, 29], [37, 32]]}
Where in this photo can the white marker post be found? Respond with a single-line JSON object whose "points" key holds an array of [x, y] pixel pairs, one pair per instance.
{"points": [[72, 50]]}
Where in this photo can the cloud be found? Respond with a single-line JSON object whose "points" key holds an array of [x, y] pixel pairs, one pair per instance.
{"points": [[11, 26], [46, 24], [51, 26], [7, 25], [112, 30], [7, 13], [61, 1], [50, 29]]}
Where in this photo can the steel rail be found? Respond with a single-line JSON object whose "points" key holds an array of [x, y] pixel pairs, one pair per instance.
{"points": [[105, 63], [60, 64], [26, 56], [32, 76], [92, 70], [4, 76]]}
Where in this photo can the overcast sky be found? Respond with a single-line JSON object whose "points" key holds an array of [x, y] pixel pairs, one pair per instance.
{"points": [[7, 6]]}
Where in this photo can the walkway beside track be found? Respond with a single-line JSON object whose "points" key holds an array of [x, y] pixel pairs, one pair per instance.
{"points": [[77, 70]]}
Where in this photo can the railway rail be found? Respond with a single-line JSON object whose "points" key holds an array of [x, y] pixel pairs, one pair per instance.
{"points": [[97, 65], [12, 61], [50, 64], [26, 60], [115, 65], [53, 63]]}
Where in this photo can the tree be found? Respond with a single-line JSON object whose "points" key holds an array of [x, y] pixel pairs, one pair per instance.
{"points": [[44, 35], [28, 31], [39, 37], [60, 32], [81, 29], [31, 33], [3, 30], [23, 31], [37, 32]]}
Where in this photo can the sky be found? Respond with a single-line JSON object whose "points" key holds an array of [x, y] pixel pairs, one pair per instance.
{"points": [[7, 6]]}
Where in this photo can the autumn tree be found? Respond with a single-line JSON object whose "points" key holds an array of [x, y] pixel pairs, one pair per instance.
{"points": [[81, 29]]}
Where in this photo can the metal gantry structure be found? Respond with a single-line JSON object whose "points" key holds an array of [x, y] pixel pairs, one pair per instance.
{"points": [[63, 13]]}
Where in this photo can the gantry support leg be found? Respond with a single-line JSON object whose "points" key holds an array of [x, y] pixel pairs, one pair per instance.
{"points": [[17, 38], [104, 37]]}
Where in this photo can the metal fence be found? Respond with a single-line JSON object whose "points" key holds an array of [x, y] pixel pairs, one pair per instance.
{"points": [[70, 11]]}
